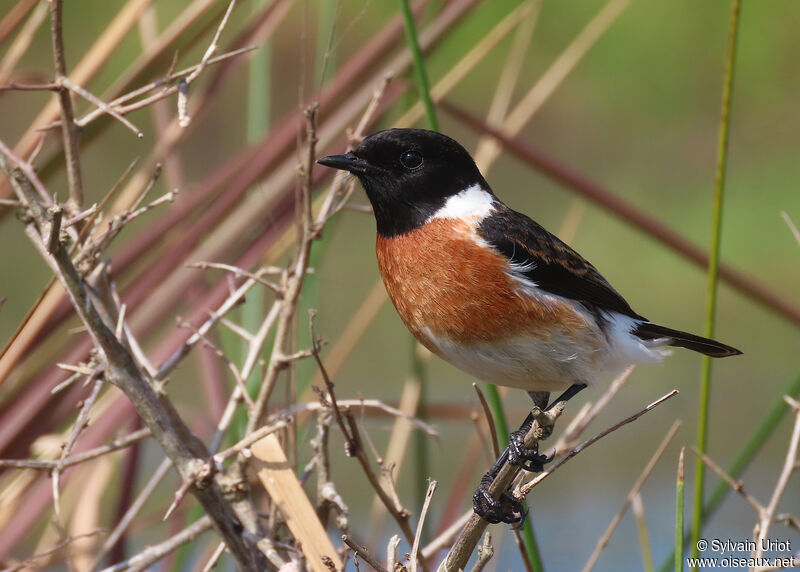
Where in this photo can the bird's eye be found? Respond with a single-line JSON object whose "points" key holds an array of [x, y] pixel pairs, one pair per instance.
{"points": [[411, 160]]}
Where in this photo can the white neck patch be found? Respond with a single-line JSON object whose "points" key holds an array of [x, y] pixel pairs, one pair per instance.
{"points": [[471, 203]]}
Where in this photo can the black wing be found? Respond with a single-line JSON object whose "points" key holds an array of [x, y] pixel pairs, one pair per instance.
{"points": [[549, 262]]}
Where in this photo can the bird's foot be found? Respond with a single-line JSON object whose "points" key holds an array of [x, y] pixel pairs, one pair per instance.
{"points": [[527, 458], [507, 508]]}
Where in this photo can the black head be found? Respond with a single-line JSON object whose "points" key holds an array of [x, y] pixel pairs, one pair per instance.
{"points": [[408, 175]]}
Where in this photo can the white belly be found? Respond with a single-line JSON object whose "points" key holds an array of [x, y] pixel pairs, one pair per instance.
{"points": [[551, 364]]}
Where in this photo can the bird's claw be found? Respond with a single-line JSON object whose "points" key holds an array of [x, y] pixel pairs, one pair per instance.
{"points": [[507, 509], [527, 458]]}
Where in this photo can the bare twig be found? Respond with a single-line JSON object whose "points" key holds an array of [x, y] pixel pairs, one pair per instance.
{"points": [[152, 554], [212, 48], [80, 425], [27, 170], [30, 563], [70, 132], [485, 553], [249, 440], [569, 438], [238, 272], [215, 556], [391, 552], [355, 448], [767, 515], [415, 554], [55, 228], [294, 282], [487, 413], [651, 464], [444, 539], [361, 551], [132, 511], [90, 97], [471, 532], [117, 104], [735, 485], [526, 488], [157, 412], [41, 465]]}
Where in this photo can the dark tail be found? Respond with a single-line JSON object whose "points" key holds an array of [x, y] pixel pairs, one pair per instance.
{"points": [[648, 331]]}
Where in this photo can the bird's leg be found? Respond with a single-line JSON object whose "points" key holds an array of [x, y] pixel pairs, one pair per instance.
{"points": [[507, 508], [528, 457]]}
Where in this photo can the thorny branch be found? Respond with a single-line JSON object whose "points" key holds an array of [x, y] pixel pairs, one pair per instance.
{"points": [[157, 412], [70, 132], [355, 448]]}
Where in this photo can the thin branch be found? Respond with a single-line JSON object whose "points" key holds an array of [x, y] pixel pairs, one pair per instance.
{"points": [[28, 171], [485, 553], [215, 556], [471, 532], [132, 511], [570, 437], [111, 447], [168, 90], [525, 489], [14, 86], [249, 440], [99, 103], [171, 362], [70, 132], [415, 554], [789, 466], [294, 283], [157, 412], [368, 558], [80, 424], [487, 413], [355, 449], [153, 554], [737, 486], [212, 48], [239, 272], [30, 563], [637, 486]]}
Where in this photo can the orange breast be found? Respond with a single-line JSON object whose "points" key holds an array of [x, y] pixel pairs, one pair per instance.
{"points": [[443, 283]]}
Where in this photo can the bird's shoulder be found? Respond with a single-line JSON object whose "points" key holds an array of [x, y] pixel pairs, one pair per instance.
{"points": [[548, 262]]}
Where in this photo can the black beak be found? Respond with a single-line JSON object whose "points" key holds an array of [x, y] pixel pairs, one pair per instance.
{"points": [[347, 162]]}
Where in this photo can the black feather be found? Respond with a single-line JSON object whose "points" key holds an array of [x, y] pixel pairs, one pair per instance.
{"points": [[554, 266], [648, 331]]}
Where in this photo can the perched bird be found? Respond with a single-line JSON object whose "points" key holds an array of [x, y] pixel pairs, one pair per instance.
{"points": [[485, 287]]}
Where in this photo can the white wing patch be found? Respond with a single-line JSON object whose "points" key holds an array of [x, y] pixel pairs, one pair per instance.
{"points": [[474, 202]]}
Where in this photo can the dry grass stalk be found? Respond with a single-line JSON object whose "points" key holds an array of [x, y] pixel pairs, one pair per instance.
{"points": [[278, 478], [634, 492]]}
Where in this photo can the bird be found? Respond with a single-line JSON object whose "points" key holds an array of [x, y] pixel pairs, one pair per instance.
{"points": [[488, 289]]}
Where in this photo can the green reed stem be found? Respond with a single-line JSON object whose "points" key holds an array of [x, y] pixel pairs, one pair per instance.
{"points": [[500, 422], [420, 75], [713, 267], [764, 430]]}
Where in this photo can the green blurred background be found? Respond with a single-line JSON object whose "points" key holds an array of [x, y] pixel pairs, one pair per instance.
{"points": [[639, 114]]}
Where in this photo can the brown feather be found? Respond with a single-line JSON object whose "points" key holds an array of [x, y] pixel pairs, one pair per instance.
{"points": [[442, 281]]}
